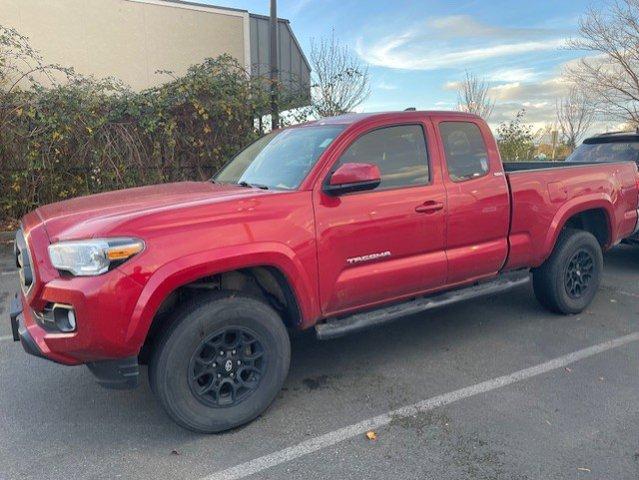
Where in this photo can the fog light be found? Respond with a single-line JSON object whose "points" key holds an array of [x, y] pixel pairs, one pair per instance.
{"points": [[64, 318], [71, 318]]}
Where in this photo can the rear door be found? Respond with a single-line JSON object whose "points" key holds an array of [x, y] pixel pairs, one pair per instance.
{"points": [[478, 199], [381, 245]]}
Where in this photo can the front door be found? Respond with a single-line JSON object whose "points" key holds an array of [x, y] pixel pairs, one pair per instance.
{"points": [[388, 243]]}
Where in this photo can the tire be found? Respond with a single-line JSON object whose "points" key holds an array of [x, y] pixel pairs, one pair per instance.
{"points": [[576, 260], [182, 364]]}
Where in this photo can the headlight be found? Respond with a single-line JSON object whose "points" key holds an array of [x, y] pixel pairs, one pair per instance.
{"points": [[86, 258]]}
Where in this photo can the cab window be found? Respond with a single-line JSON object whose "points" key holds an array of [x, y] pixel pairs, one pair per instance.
{"points": [[399, 152], [466, 152]]}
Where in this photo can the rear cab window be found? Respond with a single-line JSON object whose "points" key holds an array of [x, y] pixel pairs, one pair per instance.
{"points": [[399, 151], [606, 151], [465, 151]]}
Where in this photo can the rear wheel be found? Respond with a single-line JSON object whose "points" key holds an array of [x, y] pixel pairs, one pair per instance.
{"points": [[221, 363], [568, 281]]}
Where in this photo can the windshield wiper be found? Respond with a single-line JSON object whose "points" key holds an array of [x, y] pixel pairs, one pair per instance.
{"points": [[252, 185]]}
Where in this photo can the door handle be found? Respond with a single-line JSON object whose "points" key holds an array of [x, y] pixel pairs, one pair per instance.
{"points": [[429, 207]]}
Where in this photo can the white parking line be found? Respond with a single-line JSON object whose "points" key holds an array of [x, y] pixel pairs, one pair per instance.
{"points": [[329, 439], [6, 338], [3, 274]]}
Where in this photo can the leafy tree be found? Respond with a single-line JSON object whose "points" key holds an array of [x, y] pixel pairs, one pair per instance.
{"points": [[77, 136], [515, 139]]}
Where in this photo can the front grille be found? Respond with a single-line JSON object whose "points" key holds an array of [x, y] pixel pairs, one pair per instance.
{"points": [[23, 261]]}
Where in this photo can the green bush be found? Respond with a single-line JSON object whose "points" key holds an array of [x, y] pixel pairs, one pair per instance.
{"points": [[516, 140], [82, 136]]}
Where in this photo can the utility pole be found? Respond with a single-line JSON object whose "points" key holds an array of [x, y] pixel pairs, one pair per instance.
{"points": [[555, 139], [275, 112]]}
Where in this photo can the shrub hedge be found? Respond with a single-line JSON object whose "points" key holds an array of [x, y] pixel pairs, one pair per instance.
{"points": [[85, 136]]}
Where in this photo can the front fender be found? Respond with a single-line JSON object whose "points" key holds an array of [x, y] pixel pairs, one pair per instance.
{"points": [[190, 268]]}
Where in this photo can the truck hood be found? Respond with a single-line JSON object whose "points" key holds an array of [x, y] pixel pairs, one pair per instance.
{"points": [[95, 215]]}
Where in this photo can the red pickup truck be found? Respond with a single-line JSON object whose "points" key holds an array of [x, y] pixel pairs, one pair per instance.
{"points": [[339, 224]]}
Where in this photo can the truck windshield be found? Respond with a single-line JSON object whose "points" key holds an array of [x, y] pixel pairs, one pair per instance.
{"points": [[280, 160], [606, 152]]}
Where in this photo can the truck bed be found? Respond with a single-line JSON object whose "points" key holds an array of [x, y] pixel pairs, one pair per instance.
{"points": [[528, 166], [545, 194]]}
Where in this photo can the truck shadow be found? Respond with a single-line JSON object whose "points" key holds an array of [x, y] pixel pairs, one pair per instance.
{"points": [[70, 408], [624, 258], [423, 333]]}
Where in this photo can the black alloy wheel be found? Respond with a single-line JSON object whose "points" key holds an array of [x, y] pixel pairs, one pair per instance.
{"points": [[579, 273], [227, 367]]}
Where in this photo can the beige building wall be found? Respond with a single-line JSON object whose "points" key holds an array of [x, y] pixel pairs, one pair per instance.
{"points": [[128, 39]]}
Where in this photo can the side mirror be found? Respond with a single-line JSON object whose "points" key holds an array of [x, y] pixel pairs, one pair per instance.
{"points": [[353, 177]]}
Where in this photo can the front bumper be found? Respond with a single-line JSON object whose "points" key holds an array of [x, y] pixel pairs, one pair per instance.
{"points": [[105, 336], [119, 374], [20, 332]]}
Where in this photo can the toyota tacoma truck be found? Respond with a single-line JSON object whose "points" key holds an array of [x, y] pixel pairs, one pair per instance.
{"points": [[337, 225]]}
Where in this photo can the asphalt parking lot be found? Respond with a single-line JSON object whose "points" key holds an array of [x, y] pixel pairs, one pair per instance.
{"points": [[576, 417]]}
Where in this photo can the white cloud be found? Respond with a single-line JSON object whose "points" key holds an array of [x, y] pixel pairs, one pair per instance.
{"points": [[532, 92], [297, 6], [537, 98], [454, 42], [465, 26], [385, 86], [402, 53], [513, 75], [452, 85]]}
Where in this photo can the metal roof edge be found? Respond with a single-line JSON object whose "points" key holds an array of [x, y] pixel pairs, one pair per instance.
{"points": [[290, 31], [189, 3]]}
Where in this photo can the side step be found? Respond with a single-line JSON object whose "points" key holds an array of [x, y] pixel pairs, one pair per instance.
{"points": [[338, 327]]}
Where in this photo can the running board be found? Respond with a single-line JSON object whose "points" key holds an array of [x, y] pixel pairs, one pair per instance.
{"points": [[338, 327]]}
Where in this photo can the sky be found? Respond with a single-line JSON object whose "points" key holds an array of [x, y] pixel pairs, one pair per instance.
{"points": [[419, 50]]}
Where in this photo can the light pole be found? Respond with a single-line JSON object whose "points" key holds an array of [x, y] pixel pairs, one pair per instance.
{"points": [[275, 113]]}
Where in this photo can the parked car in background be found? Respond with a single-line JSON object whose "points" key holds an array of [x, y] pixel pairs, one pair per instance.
{"points": [[608, 147], [338, 225]]}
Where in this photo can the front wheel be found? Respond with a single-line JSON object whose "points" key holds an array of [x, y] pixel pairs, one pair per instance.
{"points": [[221, 363], [567, 282]]}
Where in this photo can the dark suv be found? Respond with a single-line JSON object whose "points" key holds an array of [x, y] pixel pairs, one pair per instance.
{"points": [[608, 147]]}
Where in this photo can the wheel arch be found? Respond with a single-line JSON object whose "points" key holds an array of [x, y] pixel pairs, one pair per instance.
{"points": [[274, 262], [595, 215]]}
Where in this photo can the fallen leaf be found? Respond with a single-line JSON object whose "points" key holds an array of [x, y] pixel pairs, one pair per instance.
{"points": [[548, 423], [174, 452], [612, 300], [569, 370], [583, 469], [371, 435]]}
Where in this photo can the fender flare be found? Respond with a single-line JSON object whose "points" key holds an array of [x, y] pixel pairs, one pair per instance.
{"points": [[597, 201], [190, 268]]}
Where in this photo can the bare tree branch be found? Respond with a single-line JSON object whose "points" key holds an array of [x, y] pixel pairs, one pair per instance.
{"points": [[610, 76], [574, 116], [341, 80], [472, 97]]}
